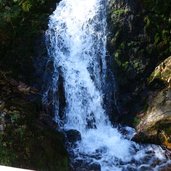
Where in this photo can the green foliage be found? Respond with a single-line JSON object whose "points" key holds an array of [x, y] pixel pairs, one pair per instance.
{"points": [[20, 13], [120, 12], [137, 52], [136, 121], [139, 40], [158, 23], [6, 157], [24, 141], [26, 5], [21, 22]]}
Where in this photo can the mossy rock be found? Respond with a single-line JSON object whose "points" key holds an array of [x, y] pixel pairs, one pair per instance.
{"points": [[26, 140], [162, 72]]}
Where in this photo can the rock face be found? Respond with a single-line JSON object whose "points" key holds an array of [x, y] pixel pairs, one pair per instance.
{"points": [[157, 119], [162, 72], [138, 43], [86, 166], [155, 125], [28, 137]]}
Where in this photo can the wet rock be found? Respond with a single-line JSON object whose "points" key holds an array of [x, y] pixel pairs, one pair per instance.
{"points": [[166, 168], [73, 135], [146, 168], [82, 165], [94, 167]]}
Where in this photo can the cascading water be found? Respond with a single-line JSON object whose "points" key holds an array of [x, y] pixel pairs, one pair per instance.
{"points": [[76, 43]]}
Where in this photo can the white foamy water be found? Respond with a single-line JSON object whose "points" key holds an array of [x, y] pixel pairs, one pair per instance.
{"points": [[77, 46]]}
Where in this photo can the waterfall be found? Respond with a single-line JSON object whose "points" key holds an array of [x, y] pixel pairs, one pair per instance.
{"points": [[76, 43]]}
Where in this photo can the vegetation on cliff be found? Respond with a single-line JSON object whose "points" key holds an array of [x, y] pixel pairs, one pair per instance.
{"points": [[22, 22], [139, 40], [27, 136], [155, 124]]}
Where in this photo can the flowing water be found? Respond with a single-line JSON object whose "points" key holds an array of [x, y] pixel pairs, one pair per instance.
{"points": [[76, 43]]}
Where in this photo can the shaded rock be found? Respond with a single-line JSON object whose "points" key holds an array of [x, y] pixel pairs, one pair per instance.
{"points": [[47, 121], [73, 135], [25, 130], [82, 165], [17, 86], [155, 126], [23, 88]]}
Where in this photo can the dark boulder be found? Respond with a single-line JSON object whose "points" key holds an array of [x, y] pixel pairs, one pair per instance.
{"points": [[73, 135]]}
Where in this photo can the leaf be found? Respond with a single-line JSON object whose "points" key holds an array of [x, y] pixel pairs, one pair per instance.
{"points": [[147, 21], [156, 38], [26, 6]]}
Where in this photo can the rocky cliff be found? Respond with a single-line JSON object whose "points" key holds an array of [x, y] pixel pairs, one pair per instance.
{"points": [[28, 136], [139, 40], [155, 125]]}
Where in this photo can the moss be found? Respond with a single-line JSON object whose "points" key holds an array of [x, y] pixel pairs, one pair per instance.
{"points": [[136, 121], [155, 75], [6, 157], [167, 129], [120, 12], [165, 135]]}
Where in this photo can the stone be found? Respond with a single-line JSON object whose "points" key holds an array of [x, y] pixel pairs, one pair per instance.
{"points": [[82, 165], [73, 135], [22, 87], [155, 126]]}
